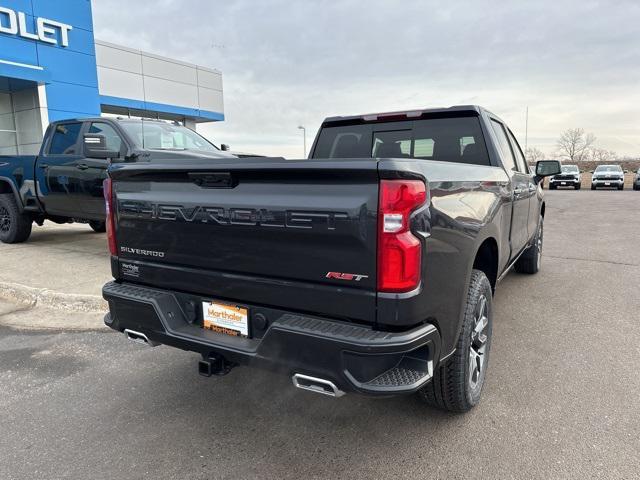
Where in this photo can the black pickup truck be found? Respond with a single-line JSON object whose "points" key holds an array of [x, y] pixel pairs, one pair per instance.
{"points": [[369, 267], [64, 182]]}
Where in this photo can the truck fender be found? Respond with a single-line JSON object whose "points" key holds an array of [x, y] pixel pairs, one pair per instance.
{"points": [[490, 231], [7, 185]]}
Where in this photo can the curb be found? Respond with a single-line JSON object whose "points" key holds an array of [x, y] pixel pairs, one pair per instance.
{"points": [[70, 302]]}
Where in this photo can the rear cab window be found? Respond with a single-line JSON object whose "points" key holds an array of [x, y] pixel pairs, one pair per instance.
{"points": [[449, 139]]}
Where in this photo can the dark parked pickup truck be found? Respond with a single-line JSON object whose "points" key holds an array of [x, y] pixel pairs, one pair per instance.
{"points": [[369, 267], [64, 182]]}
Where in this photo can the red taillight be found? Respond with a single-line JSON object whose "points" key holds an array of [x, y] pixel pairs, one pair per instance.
{"points": [[110, 221], [399, 251]]}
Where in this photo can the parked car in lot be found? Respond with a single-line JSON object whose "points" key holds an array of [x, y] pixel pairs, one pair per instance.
{"points": [[64, 182], [369, 267], [569, 177], [609, 176], [636, 180]]}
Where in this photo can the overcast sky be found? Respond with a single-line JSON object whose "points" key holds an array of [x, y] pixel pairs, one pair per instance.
{"points": [[289, 63]]}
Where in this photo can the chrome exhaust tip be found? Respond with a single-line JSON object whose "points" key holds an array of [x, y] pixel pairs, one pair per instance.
{"points": [[138, 337], [316, 385]]}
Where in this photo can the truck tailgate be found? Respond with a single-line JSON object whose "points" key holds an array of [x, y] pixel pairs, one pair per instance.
{"points": [[297, 234]]}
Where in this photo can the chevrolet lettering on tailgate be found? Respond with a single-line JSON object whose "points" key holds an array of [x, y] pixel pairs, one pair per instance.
{"points": [[231, 216]]}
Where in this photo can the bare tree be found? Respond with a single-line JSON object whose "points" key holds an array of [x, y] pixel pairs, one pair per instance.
{"points": [[574, 144], [534, 154], [602, 155]]}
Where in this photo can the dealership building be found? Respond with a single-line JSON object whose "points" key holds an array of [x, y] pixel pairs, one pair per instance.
{"points": [[52, 68]]}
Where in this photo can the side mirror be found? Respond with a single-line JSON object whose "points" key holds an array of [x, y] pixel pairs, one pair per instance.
{"points": [[546, 168], [626, 171], [590, 171], [95, 146], [224, 147]]}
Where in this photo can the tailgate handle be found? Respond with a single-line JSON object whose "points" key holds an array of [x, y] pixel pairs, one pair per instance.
{"points": [[213, 179]]}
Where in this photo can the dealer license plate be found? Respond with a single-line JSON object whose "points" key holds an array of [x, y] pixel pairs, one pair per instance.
{"points": [[563, 183], [224, 318], [606, 184]]}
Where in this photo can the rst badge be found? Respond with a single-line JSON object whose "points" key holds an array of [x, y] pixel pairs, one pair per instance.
{"points": [[346, 276]]}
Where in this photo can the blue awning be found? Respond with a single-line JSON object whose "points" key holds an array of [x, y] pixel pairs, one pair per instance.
{"points": [[23, 71], [198, 115]]}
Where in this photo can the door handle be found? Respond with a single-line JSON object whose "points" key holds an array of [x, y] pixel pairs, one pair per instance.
{"points": [[518, 190], [532, 188], [43, 166], [82, 166]]}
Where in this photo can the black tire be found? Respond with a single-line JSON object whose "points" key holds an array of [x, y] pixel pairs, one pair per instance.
{"points": [[552, 187], [15, 227], [621, 187], [593, 187], [457, 384], [636, 187], [98, 227], [530, 260], [578, 187]]}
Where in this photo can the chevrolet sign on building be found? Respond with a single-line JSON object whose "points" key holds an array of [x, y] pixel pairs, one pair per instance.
{"points": [[52, 68], [18, 24]]}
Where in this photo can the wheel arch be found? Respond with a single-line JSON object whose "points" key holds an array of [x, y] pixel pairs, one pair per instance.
{"points": [[7, 186], [486, 260]]}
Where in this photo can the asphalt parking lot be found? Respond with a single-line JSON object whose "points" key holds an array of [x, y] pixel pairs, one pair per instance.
{"points": [[561, 400]]}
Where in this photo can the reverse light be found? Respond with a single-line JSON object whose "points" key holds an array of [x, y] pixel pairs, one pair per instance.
{"points": [[399, 251], [110, 221]]}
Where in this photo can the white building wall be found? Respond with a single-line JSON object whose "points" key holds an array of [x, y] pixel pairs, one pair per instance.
{"points": [[132, 74], [21, 125]]}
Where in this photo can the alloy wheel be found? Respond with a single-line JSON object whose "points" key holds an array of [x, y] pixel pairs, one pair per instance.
{"points": [[479, 340], [539, 245], [5, 219]]}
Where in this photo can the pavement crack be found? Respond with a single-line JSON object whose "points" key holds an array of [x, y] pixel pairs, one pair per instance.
{"points": [[594, 260]]}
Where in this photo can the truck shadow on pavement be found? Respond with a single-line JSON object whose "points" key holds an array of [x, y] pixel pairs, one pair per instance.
{"points": [[60, 235], [258, 400]]}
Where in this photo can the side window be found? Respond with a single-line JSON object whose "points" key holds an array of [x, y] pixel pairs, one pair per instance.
{"points": [[507, 154], [65, 139], [521, 162], [114, 141]]}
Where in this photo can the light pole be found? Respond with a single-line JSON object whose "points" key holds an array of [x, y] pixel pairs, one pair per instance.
{"points": [[526, 131], [304, 140]]}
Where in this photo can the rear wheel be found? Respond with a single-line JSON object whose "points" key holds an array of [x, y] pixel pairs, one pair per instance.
{"points": [[98, 227], [531, 259], [457, 384], [15, 227]]}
